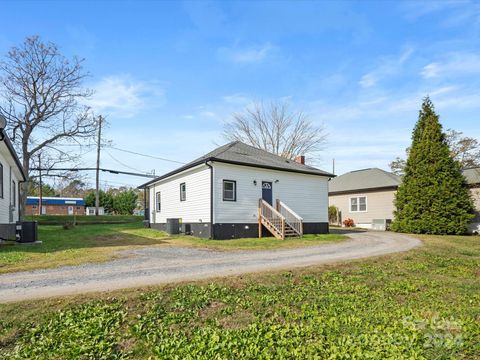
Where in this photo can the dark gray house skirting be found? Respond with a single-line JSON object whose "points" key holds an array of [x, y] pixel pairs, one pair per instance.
{"points": [[236, 230], [7, 231], [195, 229]]}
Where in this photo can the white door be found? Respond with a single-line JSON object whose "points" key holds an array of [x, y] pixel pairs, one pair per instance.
{"points": [[44, 209], [70, 210]]}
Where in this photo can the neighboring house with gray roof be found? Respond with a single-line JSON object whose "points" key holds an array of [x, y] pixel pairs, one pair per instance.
{"points": [[473, 179], [221, 194], [364, 196], [368, 194]]}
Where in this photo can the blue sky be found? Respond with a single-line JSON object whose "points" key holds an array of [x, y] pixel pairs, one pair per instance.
{"points": [[169, 74]]}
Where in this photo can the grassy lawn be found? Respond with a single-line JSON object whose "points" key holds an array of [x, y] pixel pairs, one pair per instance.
{"points": [[423, 304], [83, 219], [101, 242], [92, 243], [265, 243]]}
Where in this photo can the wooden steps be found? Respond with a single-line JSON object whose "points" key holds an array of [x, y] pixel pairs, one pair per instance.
{"points": [[281, 222]]}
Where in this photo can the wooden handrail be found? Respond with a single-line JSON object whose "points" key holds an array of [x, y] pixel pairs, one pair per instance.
{"points": [[292, 219], [272, 219], [281, 221], [265, 204]]}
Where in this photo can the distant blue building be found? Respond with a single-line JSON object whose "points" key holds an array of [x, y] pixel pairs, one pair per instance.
{"points": [[55, 206]]}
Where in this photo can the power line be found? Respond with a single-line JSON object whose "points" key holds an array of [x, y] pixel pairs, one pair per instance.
{"points": [[123, 150], [121, 163], [94, 169], [145, 155]]}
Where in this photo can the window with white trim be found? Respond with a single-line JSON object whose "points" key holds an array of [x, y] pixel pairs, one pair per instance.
{"points": [[14, 193], [183, 192], [358, 204], [229, 190], [158, 201]]}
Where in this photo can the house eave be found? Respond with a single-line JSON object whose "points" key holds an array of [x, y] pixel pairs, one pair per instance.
{"points": [[213, 159], [15, 157], [364, 190]]}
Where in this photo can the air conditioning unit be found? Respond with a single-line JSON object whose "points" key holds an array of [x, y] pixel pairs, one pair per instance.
{"points": [[381, 224]]}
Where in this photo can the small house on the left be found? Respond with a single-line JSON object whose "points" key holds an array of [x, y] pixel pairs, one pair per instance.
{"points": [[12, 175]]}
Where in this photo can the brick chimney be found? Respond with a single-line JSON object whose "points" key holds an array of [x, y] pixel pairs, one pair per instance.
{"points": [[300, 159]]}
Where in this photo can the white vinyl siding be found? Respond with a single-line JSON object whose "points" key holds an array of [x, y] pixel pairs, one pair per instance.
{"points": [[11, 175], [307, 195], [195, 208]]}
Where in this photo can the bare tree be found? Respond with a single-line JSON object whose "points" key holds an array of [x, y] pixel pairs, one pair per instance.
{"points": [[277, 129], [42, 97], [464, 149]]}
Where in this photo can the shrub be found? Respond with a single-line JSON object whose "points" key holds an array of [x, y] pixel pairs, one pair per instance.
{"points": [[332, 214], [68, 225], [348, 222]]}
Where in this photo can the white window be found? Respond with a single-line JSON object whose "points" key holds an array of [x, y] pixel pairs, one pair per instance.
{"points": [[1, 180], [158, 198], [358, 204], [183, 192], [229, 190], [14, 193]]}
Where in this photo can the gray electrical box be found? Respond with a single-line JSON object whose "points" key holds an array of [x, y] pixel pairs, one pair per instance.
{"points": [[173, 226]]}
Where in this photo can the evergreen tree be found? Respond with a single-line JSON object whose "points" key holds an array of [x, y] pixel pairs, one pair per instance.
{"points": [[125, 202], [433, 197], [106, 200]]}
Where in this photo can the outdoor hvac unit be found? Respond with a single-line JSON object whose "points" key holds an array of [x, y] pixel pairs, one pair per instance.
{"points": [[381, 224], [26, 231], [173, 226]]}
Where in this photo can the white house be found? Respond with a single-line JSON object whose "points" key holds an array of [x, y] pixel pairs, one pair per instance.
{"points": [[90, 210], [230, 191], [11, 176]]}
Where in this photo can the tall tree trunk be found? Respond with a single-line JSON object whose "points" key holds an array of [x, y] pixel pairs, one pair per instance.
{"points": [[24, 187]]}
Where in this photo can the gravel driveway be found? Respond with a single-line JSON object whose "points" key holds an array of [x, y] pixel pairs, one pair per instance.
{"points": [[158, 265]]}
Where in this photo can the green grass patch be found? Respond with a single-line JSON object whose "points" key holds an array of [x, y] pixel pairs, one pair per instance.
{"points": [[264, 243], [423, 304]]}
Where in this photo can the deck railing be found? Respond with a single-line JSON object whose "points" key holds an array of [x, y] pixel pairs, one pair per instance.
{"points": [[292, 219], [275, 220]]}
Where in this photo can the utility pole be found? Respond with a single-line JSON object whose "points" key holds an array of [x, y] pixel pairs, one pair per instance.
{"points": [[333, 166], [41, 186], [97, 181]]}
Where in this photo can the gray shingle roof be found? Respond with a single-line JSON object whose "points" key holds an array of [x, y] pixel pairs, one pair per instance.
{"points": [[363, 180], [472, 175], [242, 154]]}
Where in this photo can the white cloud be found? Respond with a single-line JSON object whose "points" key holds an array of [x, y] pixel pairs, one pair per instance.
{"points": [[454, 13], [454, 64], [123, 96], [250, 55], [387, 67], [237, 99]]}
